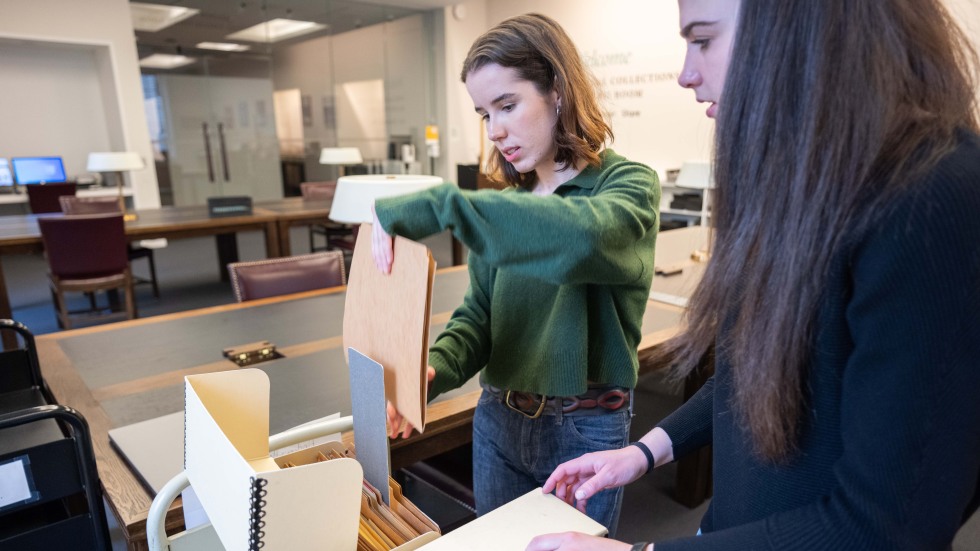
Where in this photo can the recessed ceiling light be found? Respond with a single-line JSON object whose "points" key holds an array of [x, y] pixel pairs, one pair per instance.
{"points": [[222, 46], [153, 17], [166, 61], [275, 30]]}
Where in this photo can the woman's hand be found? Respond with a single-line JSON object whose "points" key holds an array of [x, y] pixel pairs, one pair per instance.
{"points": [[575, 541], [382, 246], [395, 419], [577, 480]]}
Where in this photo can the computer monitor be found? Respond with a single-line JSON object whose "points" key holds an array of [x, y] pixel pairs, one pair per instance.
{"points": [[38, 170], [6, 178]]}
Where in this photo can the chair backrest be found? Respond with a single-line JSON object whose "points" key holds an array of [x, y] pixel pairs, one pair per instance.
{"points": [[44, 197], [84, 246], [318, 190], [291, 274], [72, 204]]}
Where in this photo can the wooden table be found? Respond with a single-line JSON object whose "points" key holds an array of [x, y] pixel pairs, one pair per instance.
{"points": [[155, 353], [20, 235], [294, 211]]}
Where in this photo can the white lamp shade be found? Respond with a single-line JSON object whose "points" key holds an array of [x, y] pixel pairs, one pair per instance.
{"points": [[356, 194], [340, 156], [695, 174], [114, 162]]}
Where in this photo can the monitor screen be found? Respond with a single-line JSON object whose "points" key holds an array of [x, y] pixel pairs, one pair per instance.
{"points": [[36, 170], [6, 178]]}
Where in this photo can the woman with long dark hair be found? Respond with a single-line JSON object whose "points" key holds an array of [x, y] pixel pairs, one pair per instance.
{"points": [[560, 267], [840, 310]]}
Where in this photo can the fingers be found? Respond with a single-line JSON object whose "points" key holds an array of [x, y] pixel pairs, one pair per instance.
{"points": [[397, 425]]}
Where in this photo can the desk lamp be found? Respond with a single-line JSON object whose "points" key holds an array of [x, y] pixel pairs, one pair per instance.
{"points": [[355, 195], [117, 162], [341, 156]]}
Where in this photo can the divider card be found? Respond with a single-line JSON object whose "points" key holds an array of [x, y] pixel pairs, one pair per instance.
{"points": [[367, 397], [386, 318]]}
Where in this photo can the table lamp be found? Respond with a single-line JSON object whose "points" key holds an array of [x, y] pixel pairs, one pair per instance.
{"points": [[117, 162], [341, 156], [355, 195]]}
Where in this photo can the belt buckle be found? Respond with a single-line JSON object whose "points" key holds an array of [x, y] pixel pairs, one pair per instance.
{"points": [[522, 412]]}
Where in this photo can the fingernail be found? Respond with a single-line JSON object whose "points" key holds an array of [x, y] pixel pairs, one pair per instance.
{"points": [[580, 495]]}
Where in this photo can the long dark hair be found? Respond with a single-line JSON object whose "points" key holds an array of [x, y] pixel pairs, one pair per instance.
{"points": [[540, 51], [829, 109]]}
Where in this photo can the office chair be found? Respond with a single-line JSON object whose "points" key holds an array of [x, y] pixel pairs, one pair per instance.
{"points": [[336, 236], [291, 274], [44, 197], [87, 253], [71, 204]]}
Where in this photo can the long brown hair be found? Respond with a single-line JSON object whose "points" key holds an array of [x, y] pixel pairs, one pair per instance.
{"points": [[829, 109], [540, 51]]}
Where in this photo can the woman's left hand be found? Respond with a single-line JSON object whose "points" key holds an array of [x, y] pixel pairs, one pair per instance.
{"points": [[382, 245], [575, 541]]}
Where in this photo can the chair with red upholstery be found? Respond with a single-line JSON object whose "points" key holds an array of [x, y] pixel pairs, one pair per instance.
{"points": [[71, 204], [44, 197], [338, 236], [87, 254], [290, 274]]}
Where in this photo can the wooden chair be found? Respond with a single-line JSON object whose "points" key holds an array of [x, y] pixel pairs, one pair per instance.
{"points": [[87, 254], [336, 236], [71, 204], [44, 197], [291, 274]]}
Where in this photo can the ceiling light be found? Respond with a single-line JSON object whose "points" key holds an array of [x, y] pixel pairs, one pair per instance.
{"points": [[222, 46], [166, 61], [154, 17], [276, 30]]}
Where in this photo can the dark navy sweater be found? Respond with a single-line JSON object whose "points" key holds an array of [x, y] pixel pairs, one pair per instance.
{"points": [[890, 448]]}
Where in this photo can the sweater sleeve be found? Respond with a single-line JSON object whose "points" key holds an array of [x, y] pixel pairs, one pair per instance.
{"points": [[909, 408], [689, 427], [563, 240], [463, 348]]}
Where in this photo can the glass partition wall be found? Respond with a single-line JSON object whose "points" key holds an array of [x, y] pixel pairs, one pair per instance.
{"points": [[255, 122]]}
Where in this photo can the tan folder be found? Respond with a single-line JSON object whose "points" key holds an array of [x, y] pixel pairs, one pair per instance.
{"points": [[386, 317]]}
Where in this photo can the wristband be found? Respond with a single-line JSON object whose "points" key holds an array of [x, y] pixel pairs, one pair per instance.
{"points": [[646, 451], [639, 546]]}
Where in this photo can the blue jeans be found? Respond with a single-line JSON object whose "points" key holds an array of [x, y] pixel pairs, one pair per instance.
{"points": [[513, 455]]}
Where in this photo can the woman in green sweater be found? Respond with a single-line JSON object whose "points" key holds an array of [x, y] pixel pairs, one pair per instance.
{"points": [[560, 266]]}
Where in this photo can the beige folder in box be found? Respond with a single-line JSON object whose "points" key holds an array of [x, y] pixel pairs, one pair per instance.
{"points": [[248, 498], [386, 317]]}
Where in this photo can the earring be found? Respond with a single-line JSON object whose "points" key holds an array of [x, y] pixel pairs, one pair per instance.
{"points": [[558, 110]]}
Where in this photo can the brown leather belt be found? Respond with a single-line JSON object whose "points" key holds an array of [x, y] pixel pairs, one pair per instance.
{"points": [[597, 400]]}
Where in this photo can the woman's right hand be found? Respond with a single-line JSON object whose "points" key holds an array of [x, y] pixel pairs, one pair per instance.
{"points": [[397, 425], [577, 480], [382, 245]]}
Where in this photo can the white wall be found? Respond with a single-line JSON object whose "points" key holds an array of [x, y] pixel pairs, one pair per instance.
{"points": [[51, 104], [460, 131], [102, 26]]}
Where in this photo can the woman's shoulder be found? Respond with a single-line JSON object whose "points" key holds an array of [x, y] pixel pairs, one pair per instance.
{"points": [[612, 163]]}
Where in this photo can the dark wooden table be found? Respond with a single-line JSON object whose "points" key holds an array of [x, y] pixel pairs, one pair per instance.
{"points": [[20, 235], [149, 357]]}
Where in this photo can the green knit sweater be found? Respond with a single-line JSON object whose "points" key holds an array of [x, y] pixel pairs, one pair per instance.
{"points": [[558, 283]]}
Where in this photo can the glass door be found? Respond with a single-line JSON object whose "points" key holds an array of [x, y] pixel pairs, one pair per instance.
{"points": [[217, 131]]}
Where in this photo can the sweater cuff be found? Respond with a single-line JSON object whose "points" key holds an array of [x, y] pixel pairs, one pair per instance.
{"points": [[414, 215]]}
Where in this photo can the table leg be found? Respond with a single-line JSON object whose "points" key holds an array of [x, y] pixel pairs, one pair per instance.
{"points": [[9, 337], [227, 244], [279, 239]]}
